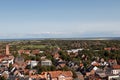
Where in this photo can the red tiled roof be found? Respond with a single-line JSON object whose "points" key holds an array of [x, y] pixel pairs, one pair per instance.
{"points": [[56, 55], [55, 74], [3, 56], [81, 64], [21, 51], [116, 67], [27, 51], [108, 49], [111, 48], [111, 60], [35, 51]]}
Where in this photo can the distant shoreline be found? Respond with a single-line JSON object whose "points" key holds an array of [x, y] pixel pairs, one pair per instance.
{"points": [[87, 38]]}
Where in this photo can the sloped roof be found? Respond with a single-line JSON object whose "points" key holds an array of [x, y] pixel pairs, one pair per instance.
{"points": [[55, 74], [116, 66]]}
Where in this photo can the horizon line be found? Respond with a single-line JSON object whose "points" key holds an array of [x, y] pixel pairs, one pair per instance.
{"points": [[69, 38]]}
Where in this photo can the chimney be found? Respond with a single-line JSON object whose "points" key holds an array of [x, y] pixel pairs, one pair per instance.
{"points": [[7, 50]]}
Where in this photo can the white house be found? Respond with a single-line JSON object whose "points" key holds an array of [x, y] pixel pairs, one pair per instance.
{"points": [[46, 62], [116, 69], [74, 50], [33, 63], [111, 77]]}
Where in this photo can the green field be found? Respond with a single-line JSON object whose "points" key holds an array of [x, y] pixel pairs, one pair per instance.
{"points": [[33, 46]]}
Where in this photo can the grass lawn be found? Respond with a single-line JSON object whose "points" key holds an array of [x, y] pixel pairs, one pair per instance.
{"points": [[33, 46]]}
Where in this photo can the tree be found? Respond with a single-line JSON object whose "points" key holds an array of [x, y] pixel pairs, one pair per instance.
{"points": [[64, 55], [2, 78], [10, 67], [74, 74]]}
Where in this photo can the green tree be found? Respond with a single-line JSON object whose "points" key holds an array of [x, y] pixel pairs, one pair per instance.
{"points": [[74, 74], [2, 78]]}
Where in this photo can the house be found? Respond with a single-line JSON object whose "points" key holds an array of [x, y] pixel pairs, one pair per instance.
{"points": [[46, 62], [35, 51], [52, 75], [112, 62], [113, 77], [56, 50], [101, 74], [56, 56], [21, 66], [18, 73], [73, 52], [58, 75], [60, 64], [27, 51], [4, 63], [94, 63], [6, 60], [43, 57], [84, 57], [79, 76], [24, 51], [81, 64], [32, 72], [104, 64], [111, 48], [115, 69], [41, 51], [5, 74], [107, 49], [21, 51], [32, 63], [91, 70], [37, 77]]}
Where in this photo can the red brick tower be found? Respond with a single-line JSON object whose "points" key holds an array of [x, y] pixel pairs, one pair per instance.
{"points": [[7, 50]]}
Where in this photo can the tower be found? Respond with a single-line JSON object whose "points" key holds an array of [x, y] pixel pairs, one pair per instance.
{"points": [[7, 50]]}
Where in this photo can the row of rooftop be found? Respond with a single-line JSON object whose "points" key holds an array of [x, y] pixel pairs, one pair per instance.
{"points": [[18, 71]]}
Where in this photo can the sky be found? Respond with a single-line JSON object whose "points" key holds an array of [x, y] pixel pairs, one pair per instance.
{"points": [[59, 18]]}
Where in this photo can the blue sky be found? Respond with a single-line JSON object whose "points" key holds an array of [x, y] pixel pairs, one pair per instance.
{"points": [[59, 18]]}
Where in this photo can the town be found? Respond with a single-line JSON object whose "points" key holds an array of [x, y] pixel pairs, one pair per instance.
{"points": [[60, 60]]}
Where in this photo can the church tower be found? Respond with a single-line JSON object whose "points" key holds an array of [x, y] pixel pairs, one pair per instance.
{"points": [[7, 50]]}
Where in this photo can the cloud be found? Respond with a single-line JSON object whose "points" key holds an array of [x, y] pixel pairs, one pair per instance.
{"points": [[54, 33], [33, 35]]}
